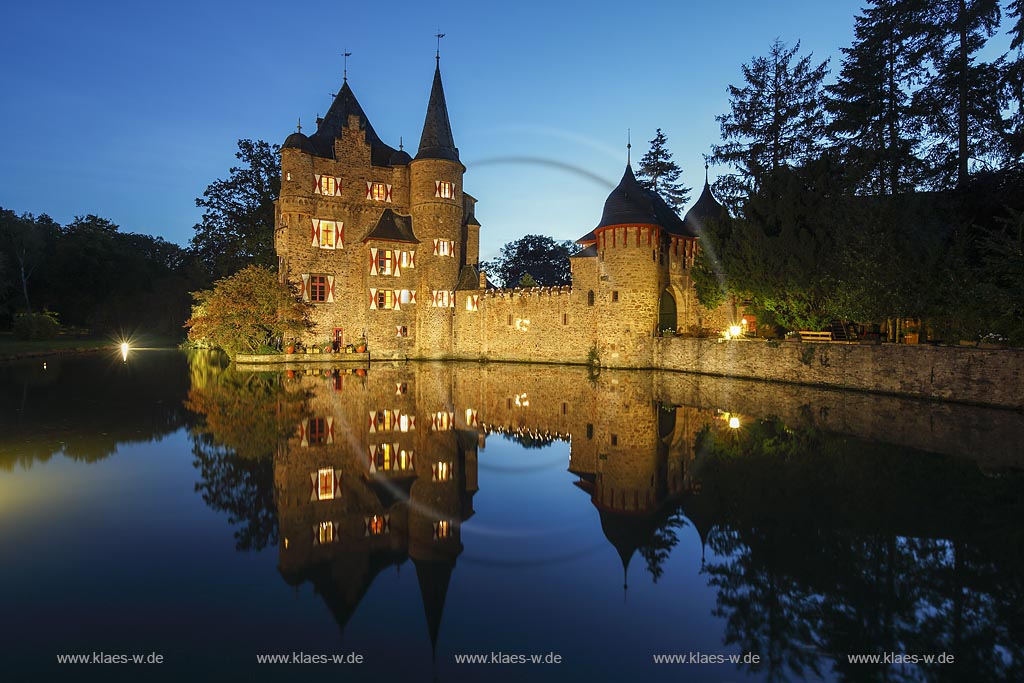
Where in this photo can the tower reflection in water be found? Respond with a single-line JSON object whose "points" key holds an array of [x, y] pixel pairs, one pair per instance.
{"points": [[818, 543]]}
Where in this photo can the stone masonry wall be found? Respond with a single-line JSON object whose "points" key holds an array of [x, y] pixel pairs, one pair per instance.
{"points": [[988, 377]]}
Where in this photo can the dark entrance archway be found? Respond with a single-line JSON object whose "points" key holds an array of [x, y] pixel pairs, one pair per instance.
{"points": [[667, 312]]}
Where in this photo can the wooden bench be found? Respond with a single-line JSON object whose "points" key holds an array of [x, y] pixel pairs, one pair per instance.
{"points": [[809, 336]]}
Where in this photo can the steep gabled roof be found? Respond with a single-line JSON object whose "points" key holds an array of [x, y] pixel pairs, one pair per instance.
{"points": [[329, 128], [436, 141], [393, 227], [469, 279]]}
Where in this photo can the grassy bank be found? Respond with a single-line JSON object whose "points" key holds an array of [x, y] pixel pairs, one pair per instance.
{"points": [[12, 348]]}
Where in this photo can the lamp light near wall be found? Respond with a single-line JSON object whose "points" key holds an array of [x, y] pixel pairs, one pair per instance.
{"points": [[734, 422], [735, 331], [124, 351]]}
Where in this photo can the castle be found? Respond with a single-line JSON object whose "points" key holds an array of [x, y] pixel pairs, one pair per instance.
{"points": [[386, 247]]}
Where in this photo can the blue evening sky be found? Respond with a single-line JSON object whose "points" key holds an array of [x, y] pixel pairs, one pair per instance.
{"points": [[130, 110]]}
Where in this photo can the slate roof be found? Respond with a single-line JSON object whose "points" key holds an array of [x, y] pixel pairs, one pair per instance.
{"points": [[630, 203], [436, 141], [336, 118], [300, 142], [706, 208], [393, 227], [469, 279]]}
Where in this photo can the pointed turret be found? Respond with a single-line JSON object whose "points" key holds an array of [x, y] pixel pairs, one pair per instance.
{"points": [[437, 142], [433, 578], [705, 209]]}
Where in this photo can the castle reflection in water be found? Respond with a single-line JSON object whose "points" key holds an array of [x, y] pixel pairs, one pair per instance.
{"points": [[382, 467], [833, 522]]}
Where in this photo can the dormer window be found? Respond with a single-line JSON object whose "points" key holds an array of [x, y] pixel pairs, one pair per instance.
{"points": [[444, 189]]}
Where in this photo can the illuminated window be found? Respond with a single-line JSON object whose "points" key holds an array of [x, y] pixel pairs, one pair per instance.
{"points": [[442, 529], [444, 247], [377, 525], [386, 298], [325, 532], [328, 185], [444, 189], [317, 431], [401, 331], [408, 259], [407, 296], [388, 457], [441, 471], [289, 175], [379, 192], [325, 484], [442, 421], [384, 259], [329, 234], [318, 288]]}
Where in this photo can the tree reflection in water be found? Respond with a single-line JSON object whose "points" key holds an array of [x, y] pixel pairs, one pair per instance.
{"points": [[832, 546], [821, 546]]}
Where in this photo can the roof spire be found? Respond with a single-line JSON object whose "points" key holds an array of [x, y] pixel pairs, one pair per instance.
{"points": [[399, 143], [346, 54], [436, 141], [706, 159], [437, 56], [629, 146], [298, 128]]}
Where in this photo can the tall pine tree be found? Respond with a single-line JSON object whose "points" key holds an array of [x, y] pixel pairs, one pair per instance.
{"points": [[776, 119], [1015, 81], [964, 99], [874, 125], [657, 172]]}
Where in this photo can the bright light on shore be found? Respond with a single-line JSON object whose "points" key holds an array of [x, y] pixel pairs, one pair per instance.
{"points": [[735, 331], [734, 423], [124, 351]]}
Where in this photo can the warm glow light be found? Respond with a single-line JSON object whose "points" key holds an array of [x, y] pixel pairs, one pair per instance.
{"points": [[124, 351], [734, 423], [735, 331]]}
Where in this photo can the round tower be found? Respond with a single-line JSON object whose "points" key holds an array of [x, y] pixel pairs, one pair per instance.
{"points": [[295, 206], [436, 205], [632, 268]]}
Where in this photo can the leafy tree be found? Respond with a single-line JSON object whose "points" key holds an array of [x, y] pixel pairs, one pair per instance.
{"points": [[1015, 81], [245, 311], [526, 281], [545, 260], [874, 123], [776, 119], [658, 173], [963, 101], [26, 240], [238, 222]]}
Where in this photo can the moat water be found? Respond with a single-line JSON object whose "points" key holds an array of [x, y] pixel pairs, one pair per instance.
{"points": [[414, 514]]}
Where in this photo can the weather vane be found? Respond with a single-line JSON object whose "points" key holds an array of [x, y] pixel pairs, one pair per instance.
{"points": [[346, 54], [439, 36], [298, 128], [629, 146]]}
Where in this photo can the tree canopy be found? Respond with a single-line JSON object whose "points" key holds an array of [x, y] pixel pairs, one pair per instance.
{"points": [[237, 228], [246, 311], [659, 173], [543, 259]]}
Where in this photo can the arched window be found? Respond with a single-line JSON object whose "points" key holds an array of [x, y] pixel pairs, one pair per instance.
{"points": [[590, 298]]}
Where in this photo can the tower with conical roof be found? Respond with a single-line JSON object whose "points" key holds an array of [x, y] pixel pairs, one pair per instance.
{"points": [[437, 207]]}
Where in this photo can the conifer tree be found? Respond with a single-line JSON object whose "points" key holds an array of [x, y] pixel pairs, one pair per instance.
{"points": [[658, 173], [1015, 81], [776, 118], [874, 125], [963, 100]]}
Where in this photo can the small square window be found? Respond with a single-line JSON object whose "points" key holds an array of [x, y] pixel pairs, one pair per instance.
{"points": [[441, 471], [384, 260], [442, 529], [328, 185], [444, 189], [318, 288], [386, 299], [401, 331], [326, 534], [317, 431], [379, 192]]}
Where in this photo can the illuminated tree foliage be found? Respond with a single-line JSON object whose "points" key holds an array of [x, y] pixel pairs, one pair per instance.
{"points": [[245, 312]]}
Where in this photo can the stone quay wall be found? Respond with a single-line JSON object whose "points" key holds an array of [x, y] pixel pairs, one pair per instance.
{"points": [[967, 375]]}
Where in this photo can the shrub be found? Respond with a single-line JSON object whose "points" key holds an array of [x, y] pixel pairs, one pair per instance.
{"points": [[36, 326]]}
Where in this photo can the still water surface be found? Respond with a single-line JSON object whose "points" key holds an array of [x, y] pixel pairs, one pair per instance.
{"points": [[415, 513]]}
